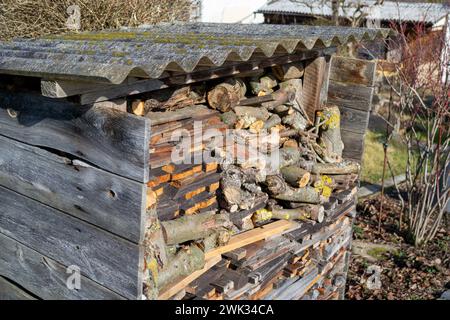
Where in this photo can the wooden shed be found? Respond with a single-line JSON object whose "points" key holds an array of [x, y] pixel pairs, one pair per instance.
{"points": [[89, 184]]}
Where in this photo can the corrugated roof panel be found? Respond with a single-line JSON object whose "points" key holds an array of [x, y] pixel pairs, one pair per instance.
{"points": [[150, 50], [389, 10]]}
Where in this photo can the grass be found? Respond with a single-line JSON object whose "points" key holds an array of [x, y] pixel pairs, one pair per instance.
{"points": [[373, 158]]}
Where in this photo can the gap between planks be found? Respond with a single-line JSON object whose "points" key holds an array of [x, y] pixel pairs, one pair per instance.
{"points": [[214, 256]]}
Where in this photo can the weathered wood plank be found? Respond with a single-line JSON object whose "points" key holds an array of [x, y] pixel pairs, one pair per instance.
{"points": [[354, 120], [351, 96], [104, 258], [122, 90], [353, 71], [312, 85], [42, 276], [113, 203], [8, 291], [110, 139], [353, 145]]}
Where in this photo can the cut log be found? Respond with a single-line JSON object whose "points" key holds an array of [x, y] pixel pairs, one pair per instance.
{"points": [[288, 156], [281, 191], [330, 132], [226, 95], [296, 176], [138, 108], [229, 118], [345, 167], [185, 113], [304, 213], [289, 71], [193, 227]]}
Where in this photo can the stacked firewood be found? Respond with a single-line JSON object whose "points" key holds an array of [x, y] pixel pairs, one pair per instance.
{"points": [[284, 162], [281, 268]]}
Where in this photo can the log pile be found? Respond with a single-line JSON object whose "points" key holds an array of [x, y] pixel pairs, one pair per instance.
{"points": [[269, 159]]}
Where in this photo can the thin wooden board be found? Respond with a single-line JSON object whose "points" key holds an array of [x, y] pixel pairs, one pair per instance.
{"points": [[106, 200], [101, 256], [254, 235], [350, 96], [110, 139], [43, 276], [353, 120], [180, 285]]}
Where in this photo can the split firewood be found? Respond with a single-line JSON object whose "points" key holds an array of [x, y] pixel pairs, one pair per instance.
{"points": [[281, 191], [296, 176], [263, 85], [185, 262], [138, 108], [279, 98], [193, 227], [330, 132], [289, 71], [226, 95], [345, 167], [171, 99]]}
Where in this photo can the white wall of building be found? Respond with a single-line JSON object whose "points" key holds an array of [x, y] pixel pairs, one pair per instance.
{"points": [[231, 11]]}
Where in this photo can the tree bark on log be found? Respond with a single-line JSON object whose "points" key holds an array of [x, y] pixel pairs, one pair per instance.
{"points": [[305, 212], [263, 85], [193, 227], [185, 262], [345, 167], [257, 113], [295, 120], [281, 191], [296, 176], [226, 95], [272, 121]]}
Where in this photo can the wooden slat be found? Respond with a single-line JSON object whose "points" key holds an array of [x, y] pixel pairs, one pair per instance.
{"points": [[110, 139], [353, 145], [354, 120], [252, 236], [312, 85], [353, 71], [107, 259], [180, 285], [8, 291], [111, 202], [351, 96], [42, 276]]}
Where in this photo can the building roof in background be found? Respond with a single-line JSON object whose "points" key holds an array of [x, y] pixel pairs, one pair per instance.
{"points": [[150, 50], [389, 10]]}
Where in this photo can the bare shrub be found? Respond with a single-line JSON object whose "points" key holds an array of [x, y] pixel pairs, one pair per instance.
{"points": [[33, 18]]}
